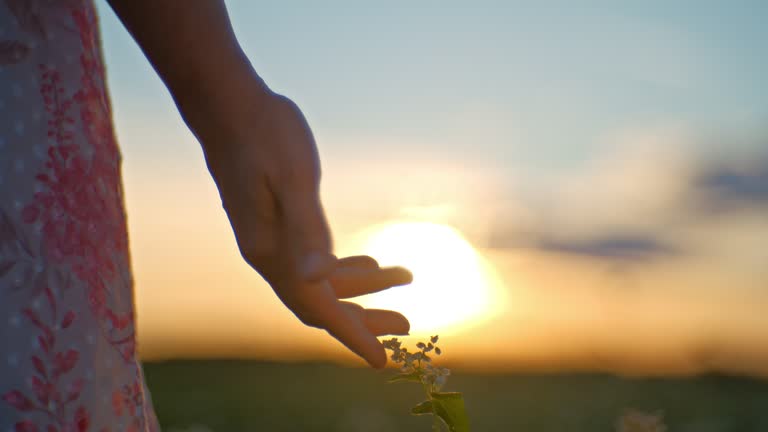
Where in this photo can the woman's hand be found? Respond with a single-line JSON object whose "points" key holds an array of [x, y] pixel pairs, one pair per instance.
{"points": [[264, 160]]}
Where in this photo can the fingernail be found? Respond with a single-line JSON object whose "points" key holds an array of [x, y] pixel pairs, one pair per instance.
{"points": [[407, 277], [317, 265]]}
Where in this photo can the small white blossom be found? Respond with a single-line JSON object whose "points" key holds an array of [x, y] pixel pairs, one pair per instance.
{"points": [[419, 362], [636, 421], [440, 381]]}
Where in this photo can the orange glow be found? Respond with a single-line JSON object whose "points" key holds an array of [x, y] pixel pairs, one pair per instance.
{"points": [[451, 289]]}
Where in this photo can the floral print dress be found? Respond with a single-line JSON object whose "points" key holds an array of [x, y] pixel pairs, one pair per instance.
{"points": [[67, 336]]}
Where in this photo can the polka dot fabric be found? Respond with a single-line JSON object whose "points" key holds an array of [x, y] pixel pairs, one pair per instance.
{"points": [[67, 346]]}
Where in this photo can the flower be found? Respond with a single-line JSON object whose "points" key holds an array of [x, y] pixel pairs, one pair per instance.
{"points": [[419, 362], [637, 421]]}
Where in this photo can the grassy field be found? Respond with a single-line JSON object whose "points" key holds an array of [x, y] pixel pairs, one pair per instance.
{"points": [[240, 396]]}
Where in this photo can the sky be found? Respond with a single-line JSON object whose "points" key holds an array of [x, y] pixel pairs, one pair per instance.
{"points": [[606, 163]]}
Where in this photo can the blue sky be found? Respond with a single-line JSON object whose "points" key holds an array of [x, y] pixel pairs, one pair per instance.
{"points": [[602, 140], [528, 84]]}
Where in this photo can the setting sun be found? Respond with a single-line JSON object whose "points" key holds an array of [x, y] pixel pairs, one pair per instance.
{"points": [[451, 288]]}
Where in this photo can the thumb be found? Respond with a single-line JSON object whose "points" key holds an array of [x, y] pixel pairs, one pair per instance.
{"points": [[306, 229]]}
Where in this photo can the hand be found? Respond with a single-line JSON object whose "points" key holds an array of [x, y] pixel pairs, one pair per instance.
{"points": [[264, 160], [318, 305]]}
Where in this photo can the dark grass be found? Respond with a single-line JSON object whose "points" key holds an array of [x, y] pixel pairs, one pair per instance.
{"points": [[239, 396]]}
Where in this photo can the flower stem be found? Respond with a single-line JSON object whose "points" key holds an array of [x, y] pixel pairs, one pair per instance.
{"points": [[435, 423], [435, 419]]}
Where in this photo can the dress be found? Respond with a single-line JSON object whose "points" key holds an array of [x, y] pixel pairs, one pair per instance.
{"points": [[67, 348]]}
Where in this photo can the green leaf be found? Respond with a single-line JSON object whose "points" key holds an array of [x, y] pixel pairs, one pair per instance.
{"points": [[449, 407], [413, 376], [422, 408]]}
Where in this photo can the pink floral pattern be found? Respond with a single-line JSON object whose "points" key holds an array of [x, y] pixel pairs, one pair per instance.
{"points": [[64, 264], [51, 369]]}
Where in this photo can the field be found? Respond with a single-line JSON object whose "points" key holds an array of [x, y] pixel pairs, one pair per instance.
{"points": [[240, 396]]}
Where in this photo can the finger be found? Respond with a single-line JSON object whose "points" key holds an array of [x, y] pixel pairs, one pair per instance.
{"points": [[307, 230], [386, 322], [352, 282], [361, 261], [344, 321], [316, 305]]}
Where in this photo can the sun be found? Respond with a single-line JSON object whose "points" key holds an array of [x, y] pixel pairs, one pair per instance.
{"points": [[451, 289]]}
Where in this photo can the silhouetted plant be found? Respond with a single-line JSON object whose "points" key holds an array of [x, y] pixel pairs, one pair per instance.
{"points": [[447, 408]]}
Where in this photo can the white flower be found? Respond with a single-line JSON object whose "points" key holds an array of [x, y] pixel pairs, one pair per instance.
{"points": [[440, 381], [636, 421]]}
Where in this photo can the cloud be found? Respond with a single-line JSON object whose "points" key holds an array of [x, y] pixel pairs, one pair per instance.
{"points": [[616, 246], [619, 247], [660, 201], [723, 187]]}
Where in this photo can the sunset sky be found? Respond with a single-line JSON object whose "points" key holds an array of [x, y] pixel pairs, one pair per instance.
{"points": [[598, 173]]}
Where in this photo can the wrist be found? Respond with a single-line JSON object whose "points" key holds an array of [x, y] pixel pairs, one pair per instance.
{"points": [[217, 102]]}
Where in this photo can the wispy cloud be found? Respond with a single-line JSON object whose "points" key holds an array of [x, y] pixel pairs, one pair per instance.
{"points": [[619, 247], [640, 205], [730, 186]]}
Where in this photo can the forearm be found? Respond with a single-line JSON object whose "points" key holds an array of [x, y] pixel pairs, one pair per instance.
{"points": [[192, 47]]}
